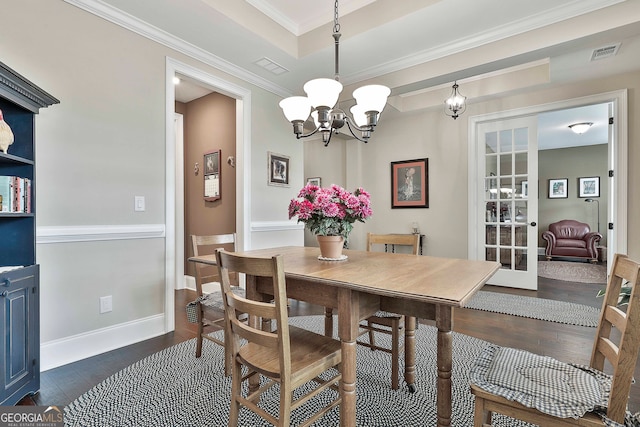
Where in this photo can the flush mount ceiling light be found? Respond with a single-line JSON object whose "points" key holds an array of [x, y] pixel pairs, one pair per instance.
{"points": [[580, 128], [322, 96], [455, 104]]}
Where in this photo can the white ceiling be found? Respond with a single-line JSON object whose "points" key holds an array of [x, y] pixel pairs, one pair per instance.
{"points": [[416, 47]]}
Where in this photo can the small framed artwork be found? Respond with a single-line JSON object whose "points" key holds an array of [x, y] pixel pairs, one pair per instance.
{"points": [[558, 188], [316, 180], [589, 187], [278, 168], [212, 176], [410, 184]]}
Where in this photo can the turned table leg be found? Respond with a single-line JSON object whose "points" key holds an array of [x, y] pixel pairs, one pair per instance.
{"points": [[444, 323]]}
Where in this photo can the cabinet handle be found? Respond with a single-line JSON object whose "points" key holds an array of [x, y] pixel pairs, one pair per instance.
{"points": [[6, 283], [4, 294]]}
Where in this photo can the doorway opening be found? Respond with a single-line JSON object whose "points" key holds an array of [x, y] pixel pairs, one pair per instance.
{"points": [[614, 208], [174, 170]]}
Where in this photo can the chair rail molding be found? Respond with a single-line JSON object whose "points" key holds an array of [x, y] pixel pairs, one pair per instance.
{"points": [[90, 233], [275, 225]]}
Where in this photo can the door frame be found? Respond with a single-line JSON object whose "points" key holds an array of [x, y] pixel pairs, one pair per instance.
{"points": [[617, 205], [174, 175]]}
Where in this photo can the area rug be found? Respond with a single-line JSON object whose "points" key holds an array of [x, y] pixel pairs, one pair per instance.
{"points": [[536, 308], [173, 388], [581, 272]]}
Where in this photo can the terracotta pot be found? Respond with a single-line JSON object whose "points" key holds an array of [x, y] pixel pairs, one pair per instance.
{"points": [[330, 246]]}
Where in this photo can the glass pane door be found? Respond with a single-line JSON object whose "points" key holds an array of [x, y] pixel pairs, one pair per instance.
{"points": [[509, 233]]}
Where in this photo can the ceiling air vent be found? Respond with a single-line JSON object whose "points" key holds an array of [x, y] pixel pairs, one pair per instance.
{"points": [[605, 52], [272, 66]]}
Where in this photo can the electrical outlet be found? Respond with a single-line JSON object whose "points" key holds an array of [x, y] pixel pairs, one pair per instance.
{"points": [[106, 304]]}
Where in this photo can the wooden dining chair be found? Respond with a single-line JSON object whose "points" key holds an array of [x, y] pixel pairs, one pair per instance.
{"points": [[286, 355], [211, 310], [382, 321], [498, 392]]}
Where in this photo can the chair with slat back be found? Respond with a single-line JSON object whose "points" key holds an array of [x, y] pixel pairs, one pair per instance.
{"points": [[286, 355], [211, 310], [383, 322], [617, 341]]}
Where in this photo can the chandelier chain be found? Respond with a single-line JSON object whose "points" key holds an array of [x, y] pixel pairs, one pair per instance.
{"points": [[336, 24]]}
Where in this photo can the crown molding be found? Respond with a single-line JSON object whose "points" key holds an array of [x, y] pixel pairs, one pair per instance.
{"points": [[129, 22]]}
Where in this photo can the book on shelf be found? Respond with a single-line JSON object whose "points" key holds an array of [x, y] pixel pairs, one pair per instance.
{"points": [[15, 194]]}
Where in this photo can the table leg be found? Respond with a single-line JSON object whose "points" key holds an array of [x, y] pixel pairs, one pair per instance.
{"points": [[410, 352], [444, 323], [348, 316]]}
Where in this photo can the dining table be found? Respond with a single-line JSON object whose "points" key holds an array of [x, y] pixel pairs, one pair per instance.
{"points": [[356, 287]]}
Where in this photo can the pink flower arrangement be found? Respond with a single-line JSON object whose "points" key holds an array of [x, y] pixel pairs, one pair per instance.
{"points": [[330, 211]]}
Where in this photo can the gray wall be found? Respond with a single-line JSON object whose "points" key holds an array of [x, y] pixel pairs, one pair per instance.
{"points": [[572, 163]]}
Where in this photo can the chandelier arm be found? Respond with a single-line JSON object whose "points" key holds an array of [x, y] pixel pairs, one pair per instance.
{"points": [[353, 125], [298, 136]]}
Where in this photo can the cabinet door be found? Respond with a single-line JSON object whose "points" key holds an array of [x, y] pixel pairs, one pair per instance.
{"points": [[20, 339]]}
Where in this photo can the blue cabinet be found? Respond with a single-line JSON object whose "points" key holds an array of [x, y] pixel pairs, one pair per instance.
{"points": [[20, 347], [20, 101]]}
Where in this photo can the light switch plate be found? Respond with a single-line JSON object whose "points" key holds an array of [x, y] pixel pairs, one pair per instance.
{"points": [[139, 204]]}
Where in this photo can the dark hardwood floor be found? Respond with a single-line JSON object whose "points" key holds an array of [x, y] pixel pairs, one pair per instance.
{"points": [[569, 343]]}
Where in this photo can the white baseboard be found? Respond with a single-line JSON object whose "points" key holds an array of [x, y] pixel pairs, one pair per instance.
{"points": [[189, 282], [71, 349]]}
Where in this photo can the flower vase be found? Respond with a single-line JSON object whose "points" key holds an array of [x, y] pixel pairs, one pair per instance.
{"points": [[330, 246]]}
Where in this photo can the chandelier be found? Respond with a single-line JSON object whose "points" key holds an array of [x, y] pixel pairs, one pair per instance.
{"points": [[455, 104], [322, 96]]}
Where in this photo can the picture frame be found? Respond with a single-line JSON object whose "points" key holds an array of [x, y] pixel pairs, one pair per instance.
{"points": [[316, 180], [558, 188], [589, 186], [278, 169], [410, 184], [212, 176]]}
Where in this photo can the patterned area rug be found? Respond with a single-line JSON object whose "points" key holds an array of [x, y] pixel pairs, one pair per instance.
{"points": [[536, 308], [173, 388], [581, 272]]}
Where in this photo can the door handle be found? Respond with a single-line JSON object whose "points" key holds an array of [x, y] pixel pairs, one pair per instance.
{"points": [[533, 223]]}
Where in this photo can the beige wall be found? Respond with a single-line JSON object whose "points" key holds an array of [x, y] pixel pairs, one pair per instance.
{"points": [[105, 143], [209, 124], [444, 142], [572, 163]]}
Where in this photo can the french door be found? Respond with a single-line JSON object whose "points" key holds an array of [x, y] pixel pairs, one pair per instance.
{"points": [[507, 155]]}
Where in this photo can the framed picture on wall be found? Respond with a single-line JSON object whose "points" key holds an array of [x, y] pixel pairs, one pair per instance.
{"points": [[410, 184], [316, 180], [212, 176], [558, 188], [278, 168], [589, 187]]}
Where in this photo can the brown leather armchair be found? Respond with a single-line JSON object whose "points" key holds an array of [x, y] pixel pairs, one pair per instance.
{"points": [[569, 238]]}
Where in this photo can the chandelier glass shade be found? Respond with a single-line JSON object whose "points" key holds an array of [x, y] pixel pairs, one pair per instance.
{"points": [[322, 97], [455, 104]]}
